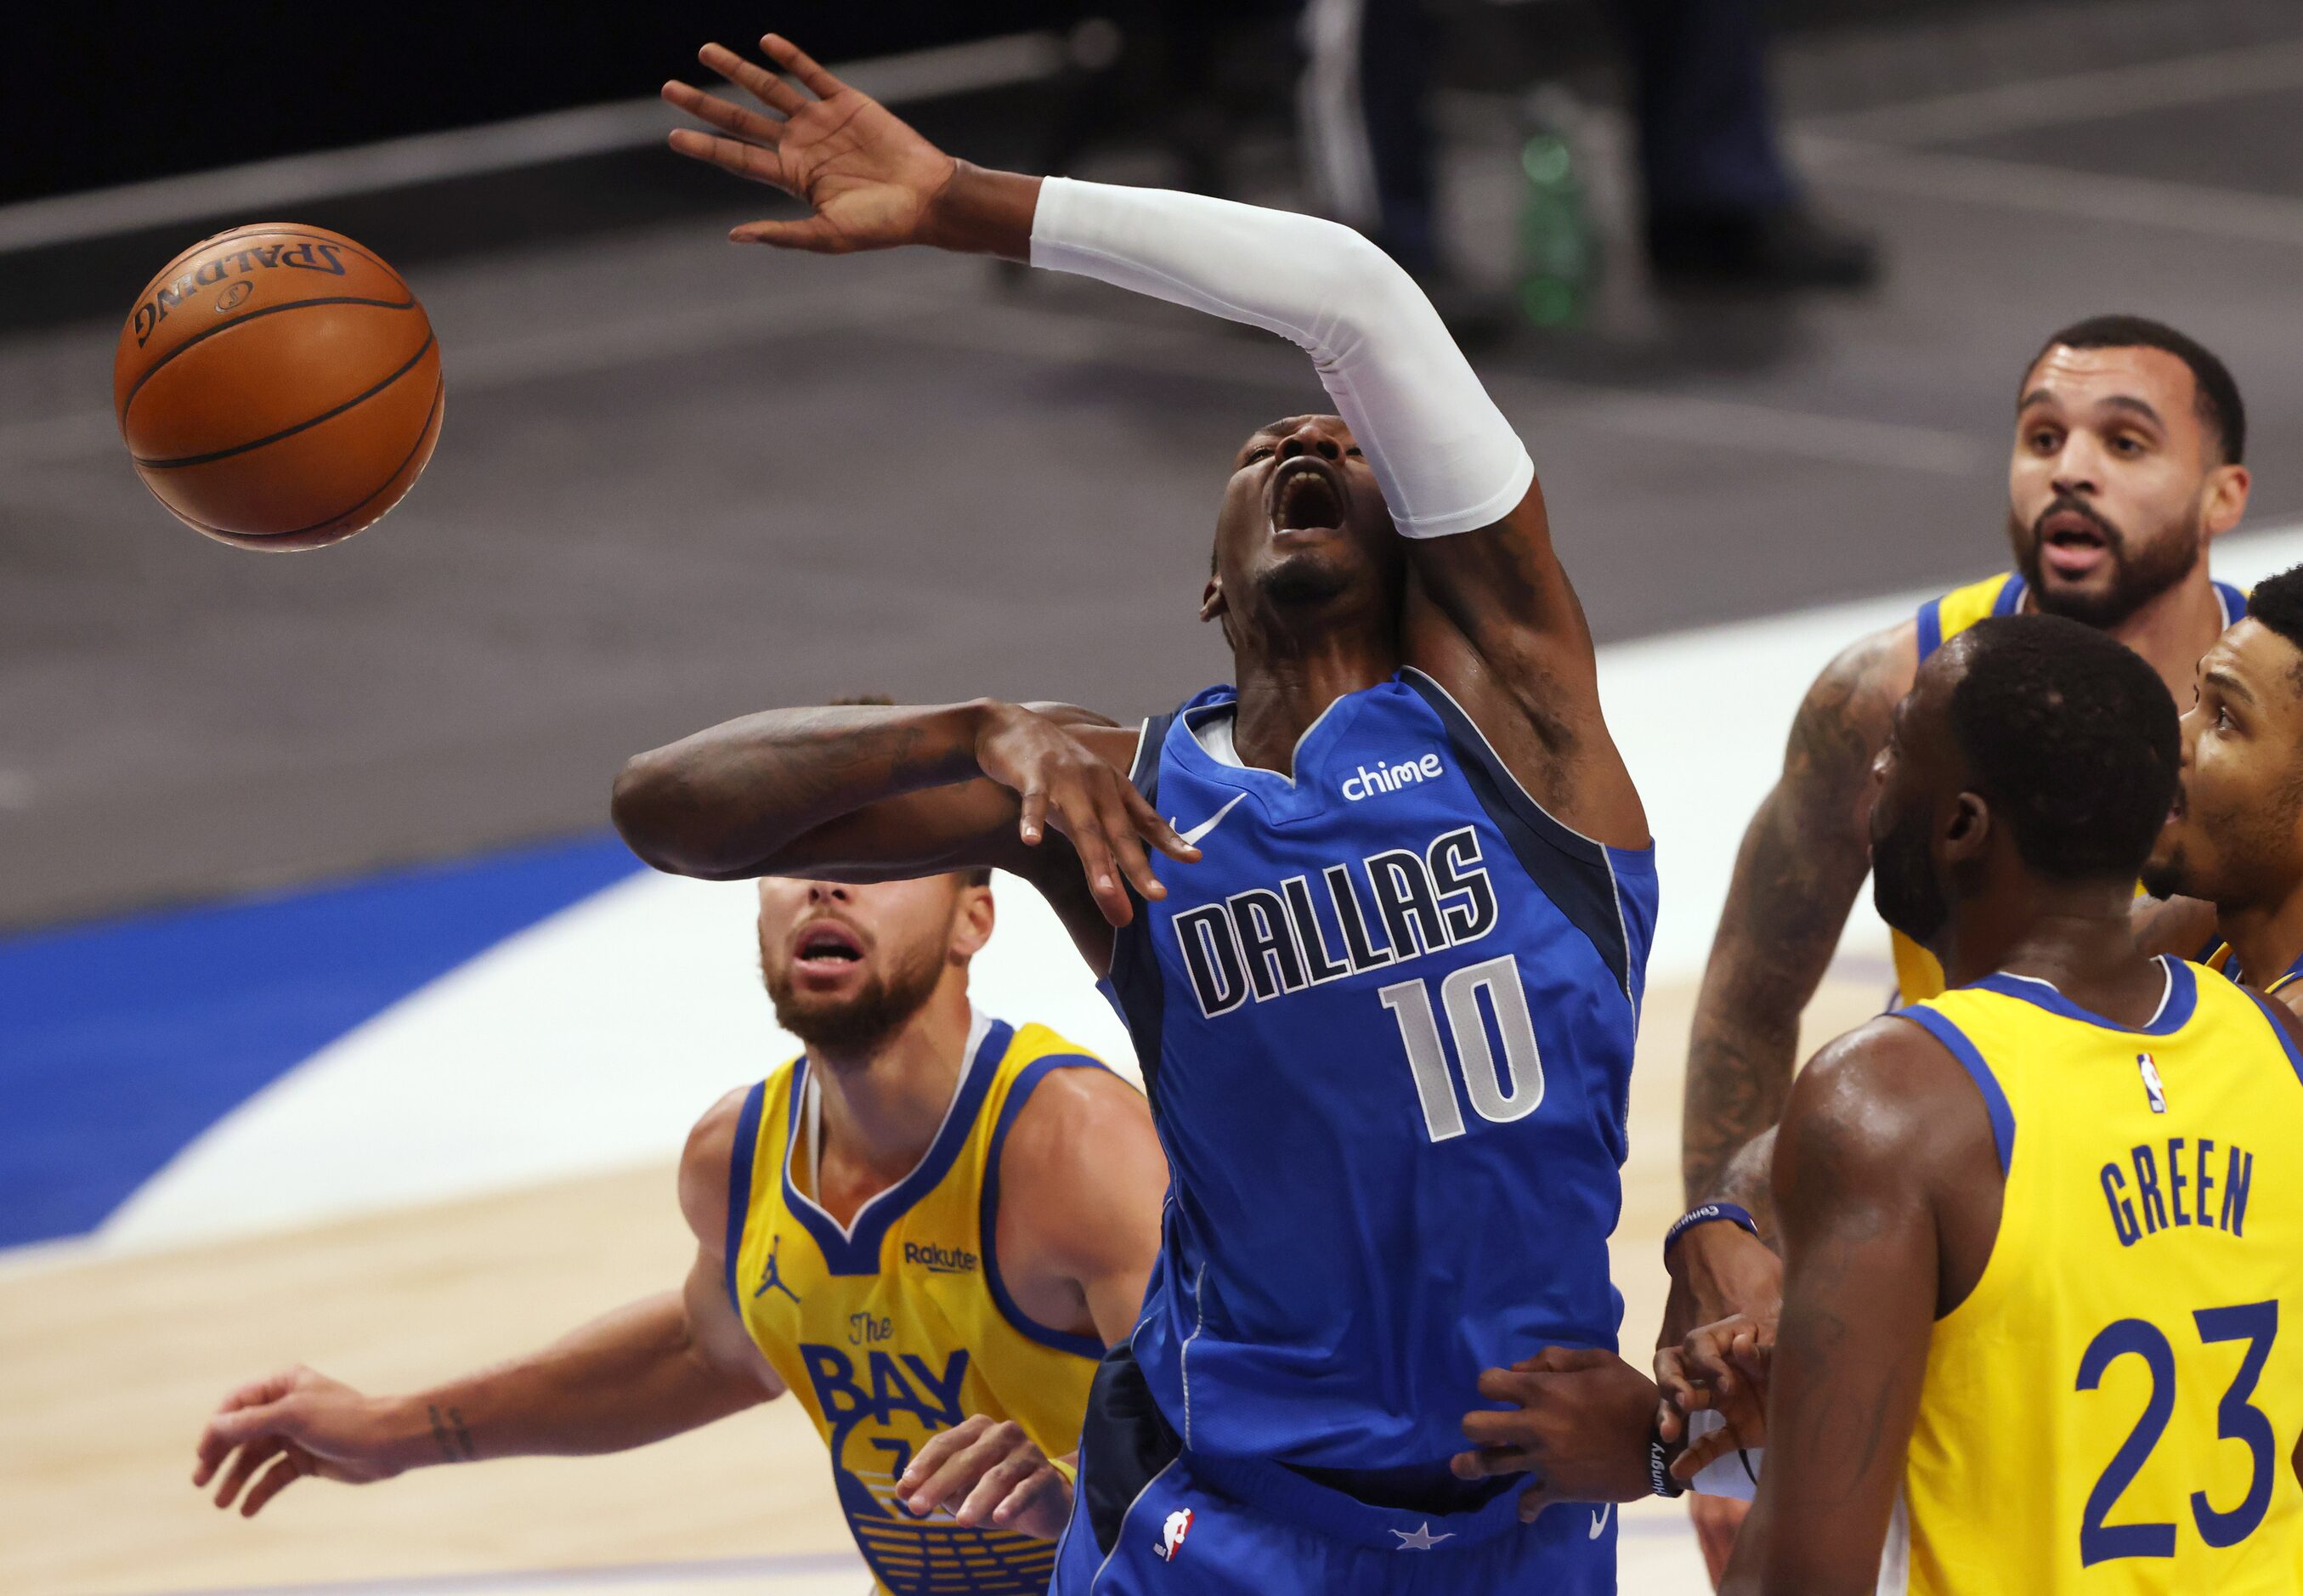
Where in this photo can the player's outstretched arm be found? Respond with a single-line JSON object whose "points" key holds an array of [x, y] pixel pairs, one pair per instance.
{"points": [[655, 1368], [1881, 1127], [870, 792], [1803, 859], [1492, 616]]}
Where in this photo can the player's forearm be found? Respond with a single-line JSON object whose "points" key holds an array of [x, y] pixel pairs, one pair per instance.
{"points": [[723, 803], [1444, 456], [1787, 907], [625, 1380]]}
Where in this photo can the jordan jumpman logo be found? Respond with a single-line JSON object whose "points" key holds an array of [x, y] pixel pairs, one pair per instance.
{"points": [[774, 1276]]}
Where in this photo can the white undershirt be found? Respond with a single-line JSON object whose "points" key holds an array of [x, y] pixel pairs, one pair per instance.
{"points": [[1214, 734]]}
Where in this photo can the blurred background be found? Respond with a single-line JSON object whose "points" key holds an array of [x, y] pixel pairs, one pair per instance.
{"points": [[335, 1026]]}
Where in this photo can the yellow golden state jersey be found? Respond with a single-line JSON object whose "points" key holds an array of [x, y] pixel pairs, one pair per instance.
{"points": [[2115, 1407], [896, 1325], [2221, 959], [1918, 976]]}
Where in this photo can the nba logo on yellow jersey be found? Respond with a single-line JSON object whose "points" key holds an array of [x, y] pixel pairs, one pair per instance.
{"points": [[2153, 1087]]}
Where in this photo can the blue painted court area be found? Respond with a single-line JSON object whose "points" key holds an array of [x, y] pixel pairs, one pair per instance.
{"points": [[121, 1041]]}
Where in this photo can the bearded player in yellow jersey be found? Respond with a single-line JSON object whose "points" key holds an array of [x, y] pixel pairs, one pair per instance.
{"points": [[927, 1228], [2129, 445], [2043, 1251]]}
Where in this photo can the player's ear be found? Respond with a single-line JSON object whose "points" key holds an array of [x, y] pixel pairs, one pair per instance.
{"points": [[2225, 500], [1212, 598], [971, 921], [1969, 833]]}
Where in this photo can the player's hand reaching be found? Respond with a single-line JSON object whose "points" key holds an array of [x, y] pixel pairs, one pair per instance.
{"points": [[300, 1422], [984, 1471], [1579, 1425], [1064, 784], [868, 179], [1723, 1368]]}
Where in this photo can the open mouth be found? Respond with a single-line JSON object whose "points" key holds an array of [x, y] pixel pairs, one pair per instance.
{"points": [[2071, 542], [1306, 495], [825, 946]]}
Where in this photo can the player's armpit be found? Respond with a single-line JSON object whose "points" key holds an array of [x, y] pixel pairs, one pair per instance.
{"points": [[1874, 1135], [1082, 1182], [1802, 860]]}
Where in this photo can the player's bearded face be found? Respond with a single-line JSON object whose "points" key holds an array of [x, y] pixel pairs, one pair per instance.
{"points": [[2119, 573], [845, 973], [1903, 886]]}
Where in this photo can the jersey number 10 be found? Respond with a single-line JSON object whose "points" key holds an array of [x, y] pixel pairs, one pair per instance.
{"points": [[1499, 1093]]}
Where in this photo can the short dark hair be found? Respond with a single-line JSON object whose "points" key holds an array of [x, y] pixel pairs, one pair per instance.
{"points": [[2072, 737], [2277, 602], [2219, 404]]}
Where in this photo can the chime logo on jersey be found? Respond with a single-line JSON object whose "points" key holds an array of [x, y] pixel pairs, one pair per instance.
{"points": [[1172, 1534], [1267, 941], [2153, 1087]]}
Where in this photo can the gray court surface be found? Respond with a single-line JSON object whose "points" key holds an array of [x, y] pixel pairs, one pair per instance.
{"points": [[679, 480]]}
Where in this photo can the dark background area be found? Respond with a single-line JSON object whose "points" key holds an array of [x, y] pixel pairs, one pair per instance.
{"points": [[678, 481]]}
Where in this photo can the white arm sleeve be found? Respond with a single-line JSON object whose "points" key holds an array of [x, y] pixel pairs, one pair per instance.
{"points": [[1735, 1474], [1445, 457]]}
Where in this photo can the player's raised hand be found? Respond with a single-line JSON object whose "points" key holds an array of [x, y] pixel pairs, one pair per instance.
{"points": [[300, 1423], [867, 177], [984, 1471], [1064, 784]]}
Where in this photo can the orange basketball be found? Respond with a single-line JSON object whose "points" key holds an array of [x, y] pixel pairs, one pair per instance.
{"points": [[279, 386]]}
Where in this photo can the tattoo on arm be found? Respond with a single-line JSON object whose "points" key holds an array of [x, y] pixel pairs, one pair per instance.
{"points": [[449, 1435], [1747, 1182], [1803, 861]]}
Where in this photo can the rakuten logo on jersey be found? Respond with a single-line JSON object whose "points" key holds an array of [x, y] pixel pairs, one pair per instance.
{"points": [[1365, 783]]}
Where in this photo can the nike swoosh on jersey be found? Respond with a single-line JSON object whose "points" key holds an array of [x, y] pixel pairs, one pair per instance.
{"points": [[1599, 1521], [1211, 822]]}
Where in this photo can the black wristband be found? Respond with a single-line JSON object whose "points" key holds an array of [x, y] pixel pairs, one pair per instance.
{"points": [[1704, 1215], [1659, 1457]]}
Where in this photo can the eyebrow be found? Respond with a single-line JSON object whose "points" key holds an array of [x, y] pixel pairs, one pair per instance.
{"points": [[2117, 401], [2230, 686]]}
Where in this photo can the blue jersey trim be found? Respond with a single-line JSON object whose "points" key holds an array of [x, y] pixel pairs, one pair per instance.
{"points": [[739, 1180], [1930, 628], [1995, 1100], [1576, 873], [2278, 1029], [2175, 1009], [2010, 601], [2234, 604], [856, 1251], [987, 1209], [1135, 988]]}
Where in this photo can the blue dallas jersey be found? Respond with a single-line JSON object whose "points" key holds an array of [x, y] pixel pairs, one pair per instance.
{"points": [[1386, 1023]]}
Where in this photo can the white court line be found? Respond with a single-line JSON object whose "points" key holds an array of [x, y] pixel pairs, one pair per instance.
{"points": [[2078, 97], [2059, 190], [265, 186]]}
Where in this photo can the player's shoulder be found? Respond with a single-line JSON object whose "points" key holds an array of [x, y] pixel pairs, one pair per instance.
{"points": [[707, 1161], [1880, 1099], [1876, 670], [1064, 1109]]}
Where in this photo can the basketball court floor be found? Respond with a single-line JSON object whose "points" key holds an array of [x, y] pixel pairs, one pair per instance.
{"points": [[677, 481]]}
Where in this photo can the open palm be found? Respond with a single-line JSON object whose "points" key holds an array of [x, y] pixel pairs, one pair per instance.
{"points": [[866, 177]]}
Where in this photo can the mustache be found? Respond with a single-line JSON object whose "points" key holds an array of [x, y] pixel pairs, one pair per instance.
{"points": [[2063, 502]]}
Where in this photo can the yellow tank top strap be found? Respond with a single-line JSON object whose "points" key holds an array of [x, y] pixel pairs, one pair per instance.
{"points": [[1944, 618]]}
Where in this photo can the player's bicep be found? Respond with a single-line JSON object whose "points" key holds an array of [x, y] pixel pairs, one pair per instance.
{"points": [[719, 1334]]}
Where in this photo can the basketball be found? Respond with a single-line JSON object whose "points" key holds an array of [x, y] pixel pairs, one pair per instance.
{"points": [[279, 386]]}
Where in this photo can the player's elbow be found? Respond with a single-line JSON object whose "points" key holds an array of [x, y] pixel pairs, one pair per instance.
{"points": [[656, 808], [1366, 291]]}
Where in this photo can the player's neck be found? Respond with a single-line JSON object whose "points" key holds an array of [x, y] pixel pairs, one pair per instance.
{"points": [[2078, 938], [2266, 939], [1281, 696], [882, 1111], [2173, 631]]}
